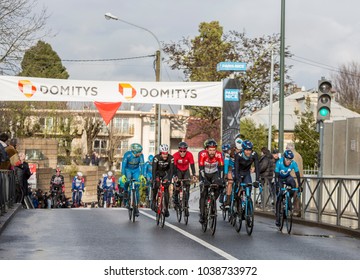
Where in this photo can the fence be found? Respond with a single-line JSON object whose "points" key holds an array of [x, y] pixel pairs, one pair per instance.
{"points": [[7, 190], [327, 200]]}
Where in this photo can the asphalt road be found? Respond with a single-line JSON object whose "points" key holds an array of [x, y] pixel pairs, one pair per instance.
{"points": [[107, 234]]}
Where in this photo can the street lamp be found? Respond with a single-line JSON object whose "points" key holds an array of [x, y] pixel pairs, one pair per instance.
{"points": [[110, 16]]}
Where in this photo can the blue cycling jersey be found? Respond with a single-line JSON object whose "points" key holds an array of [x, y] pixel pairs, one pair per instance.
{"points": [[148, 170], [130, 161], [228, 162], [284, 170]]}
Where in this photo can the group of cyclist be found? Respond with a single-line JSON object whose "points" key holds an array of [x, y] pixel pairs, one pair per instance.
{"points": [[226, 169]]}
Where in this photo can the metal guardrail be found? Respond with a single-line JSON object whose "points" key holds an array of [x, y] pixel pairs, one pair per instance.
{"points": [[7, 190], [327, 200]]}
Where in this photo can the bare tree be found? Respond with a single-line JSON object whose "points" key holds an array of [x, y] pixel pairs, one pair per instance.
{"points": [[347, 84], [20, 28]]}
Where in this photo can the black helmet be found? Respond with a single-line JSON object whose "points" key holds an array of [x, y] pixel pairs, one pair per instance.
{"points": [[211, 143], [183, 145]]}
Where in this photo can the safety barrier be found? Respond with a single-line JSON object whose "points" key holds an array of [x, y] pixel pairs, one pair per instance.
{"points": [[7, 190], [326, 200]]}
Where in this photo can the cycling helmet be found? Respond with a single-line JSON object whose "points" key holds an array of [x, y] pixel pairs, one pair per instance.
{"points": [[109, 173], [150, 158], [247, 145], [183, 145], [136, 148], [238, 143], [225, 147], [79, 174], [288, 154], [211, 143], [164, 148], [207, 140]]}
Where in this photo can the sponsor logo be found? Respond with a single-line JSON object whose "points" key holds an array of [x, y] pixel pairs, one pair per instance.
{"points": [[27, 88], [231, 95], [127, 91]]}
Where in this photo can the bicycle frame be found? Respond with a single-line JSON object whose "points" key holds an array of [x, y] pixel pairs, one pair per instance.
{"points": [[133, 200], [286, 207], [210, 210], [160, 201], [245, 208], [183, 201]]}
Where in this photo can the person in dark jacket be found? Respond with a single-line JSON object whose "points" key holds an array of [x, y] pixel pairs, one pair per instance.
{"points": [[266, 166]]}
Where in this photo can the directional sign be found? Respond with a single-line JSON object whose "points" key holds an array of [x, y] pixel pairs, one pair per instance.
{"points": [[231, 66]]}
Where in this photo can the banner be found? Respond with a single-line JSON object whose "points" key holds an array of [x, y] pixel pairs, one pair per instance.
{"points": [[13, 88], [231, 110]]}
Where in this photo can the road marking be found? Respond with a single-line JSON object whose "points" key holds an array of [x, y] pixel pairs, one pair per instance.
{"points": [[196, 239]]}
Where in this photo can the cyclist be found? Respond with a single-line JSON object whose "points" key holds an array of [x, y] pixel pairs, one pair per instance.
{"points": [[131, 168], [228, 155], [243, 163], [162, 168], [183, 159], [283, 168], [57, 184], [148, 173], [108, 187], [211, 166], [77, 187]]}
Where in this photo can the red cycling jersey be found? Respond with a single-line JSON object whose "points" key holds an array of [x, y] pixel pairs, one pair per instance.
{"points": [[211, 165], [182, 163]]}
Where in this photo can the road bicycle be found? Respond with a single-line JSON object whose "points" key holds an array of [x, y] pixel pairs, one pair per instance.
{"points": [[245, 208], [133, 201], [286, 213], [183, 201], [160, 204], [100, 197], [210, 213], [232, 210]]}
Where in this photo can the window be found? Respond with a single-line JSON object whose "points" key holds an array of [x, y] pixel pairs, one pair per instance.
{"points": [[100, 146], [152, 125], [46, 123], [121, 125], [151, 147]]}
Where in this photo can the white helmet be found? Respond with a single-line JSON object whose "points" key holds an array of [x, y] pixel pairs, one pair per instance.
{"points": [[79, 174], [110, 174], [164, 148], [238, 143]]}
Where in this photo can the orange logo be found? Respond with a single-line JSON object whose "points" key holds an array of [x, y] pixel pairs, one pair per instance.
{"points": [[27, 88], [127, 91]]}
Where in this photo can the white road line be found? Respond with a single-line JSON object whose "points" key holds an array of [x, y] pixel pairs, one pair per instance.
{"points": [[196, 239]]}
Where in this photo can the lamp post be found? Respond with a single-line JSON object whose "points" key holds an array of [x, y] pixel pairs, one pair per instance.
{"points": [[282, 74], [110, 16]]}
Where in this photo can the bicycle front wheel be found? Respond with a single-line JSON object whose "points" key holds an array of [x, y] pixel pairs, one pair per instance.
{"points": [[186, 208], [178, 210], [205, 223], [249, 217], [213, 217], [238, 215], [288, 216], [133, 205], [162, 213], [282, 214]]}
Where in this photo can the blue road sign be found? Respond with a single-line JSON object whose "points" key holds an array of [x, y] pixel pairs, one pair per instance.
{"points": [[231, 66]]}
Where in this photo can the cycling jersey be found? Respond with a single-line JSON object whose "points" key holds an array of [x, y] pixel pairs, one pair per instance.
{"points": [[283, 170], [163, 167], [211, 165], [130, 161], [183, 163], [243, 165]]}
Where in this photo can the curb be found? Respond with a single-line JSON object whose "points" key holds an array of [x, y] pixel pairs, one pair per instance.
{"points": [[5, 218], [352, 232]]}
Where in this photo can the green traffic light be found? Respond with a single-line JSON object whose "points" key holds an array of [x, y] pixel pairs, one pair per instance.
{"points": [[324, 112]]}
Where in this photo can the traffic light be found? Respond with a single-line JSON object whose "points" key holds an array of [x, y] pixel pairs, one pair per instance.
{"points": [[324, 100]]}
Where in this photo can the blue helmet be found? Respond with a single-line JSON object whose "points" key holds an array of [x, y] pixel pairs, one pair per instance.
{"points": [[247, 145], [150, 158], [226, 147], [288, 154], [136, 148]]}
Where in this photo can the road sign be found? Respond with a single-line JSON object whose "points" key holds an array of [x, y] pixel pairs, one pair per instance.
{"points": [[231, 66]]}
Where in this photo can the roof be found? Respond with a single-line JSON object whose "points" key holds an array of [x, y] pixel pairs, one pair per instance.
{"points": [[294, 102]]}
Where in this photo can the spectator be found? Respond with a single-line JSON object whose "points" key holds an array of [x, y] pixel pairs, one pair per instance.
{"points": [[87, 160], [266, 166], [26, 173], [5, 159], [298, 159]]}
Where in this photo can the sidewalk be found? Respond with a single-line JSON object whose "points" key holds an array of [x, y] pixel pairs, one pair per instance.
{"points": [[6, 217]]}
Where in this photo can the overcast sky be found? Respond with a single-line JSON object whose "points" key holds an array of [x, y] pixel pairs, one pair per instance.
{"points": [[318, 31]]}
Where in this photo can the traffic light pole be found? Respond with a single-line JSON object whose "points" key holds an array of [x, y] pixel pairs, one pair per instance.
{"points": [[321, 161]]}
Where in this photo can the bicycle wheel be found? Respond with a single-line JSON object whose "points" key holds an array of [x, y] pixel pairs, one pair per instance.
{"points": [[288, 216], [101, 201], [162, 214], [178, 209], [282, 214], [133, 205], [186, 207], [131, 210], [238, 215], [213, 217], [205, 223], [249, 217]]}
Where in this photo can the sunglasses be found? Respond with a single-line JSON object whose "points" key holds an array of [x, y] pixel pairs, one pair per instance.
{"points": [[182, 151], [164, 153]]}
